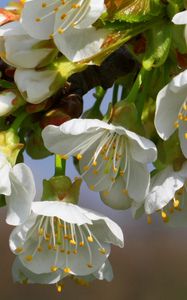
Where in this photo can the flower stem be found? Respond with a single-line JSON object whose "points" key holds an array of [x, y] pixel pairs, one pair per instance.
{"points": [[132, 97], [60, 165], [115, 94], [99, 95], [17, 122]]}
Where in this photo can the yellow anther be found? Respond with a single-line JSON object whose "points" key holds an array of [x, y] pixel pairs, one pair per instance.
{"points": [[89, 265], [106, 158], [121, 173], [55, 248], [164, 216], [102, 251], [176, 124], [67, 270], [90, 239], [47, 237], [94, 164], [75, 251], [62, 250], [64, 156], [56, 9], [113, 179], [79, 156], [61, 31], [19, 250], [29, 258], [125, 192], [74, 5], [41, 231], [81, 244], [44, 5], [149, 219], [68, 252], [92, 187], [72, 242], [184, 106], [37, 19], [95, 172], [66, 236], [39, 249], [185, 135], [86, 168], [51, 35], [180, 116], [176, 203], [106, 193], [63, 16], [54, 268], [50, 247], [115, 170], [59, 288]]}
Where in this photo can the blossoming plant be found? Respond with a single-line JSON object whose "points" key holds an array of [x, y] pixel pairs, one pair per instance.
{"points": [[51, 54]]}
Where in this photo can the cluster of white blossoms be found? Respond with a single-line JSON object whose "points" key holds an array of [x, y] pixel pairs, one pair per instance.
{"points": [[52, 52]]}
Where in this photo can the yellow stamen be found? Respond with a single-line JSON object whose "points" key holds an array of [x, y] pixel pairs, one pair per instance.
{"points": [[185, 135], [29, 258], [64, 156], [81, 244], [39, 249], [19, 250], [54, 268], [79, 156], [86, 168], [102, 251], [125, 192], [67, 270], [44, 5], [92, 187], [38, 20], [176, 203], [89, 265], [72, 242], [90, 239], [94, 164]]}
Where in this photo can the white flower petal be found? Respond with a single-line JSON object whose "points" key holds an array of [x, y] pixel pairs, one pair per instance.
{"points": [[35, 85], [180, 18], [139, 179], [22, 194], [6, 100], [137, 209], [183, 140], [21, 274], [142, 149], [162, 189], [105, 272], [33, 10], [79, 44], [168, 104], [66, 211], [115, 197], [5, 167]]}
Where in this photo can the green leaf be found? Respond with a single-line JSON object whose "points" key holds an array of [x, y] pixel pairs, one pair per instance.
{"points": [[6, 84], [174, 6], [159, 42], [139, 10]]}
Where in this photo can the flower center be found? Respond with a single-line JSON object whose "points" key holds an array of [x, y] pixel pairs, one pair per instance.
{"points": [[66, 239], [67, 13]]}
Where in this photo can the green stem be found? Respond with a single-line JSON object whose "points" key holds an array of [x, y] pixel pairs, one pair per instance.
{"points": [[60, 165], [143, 95], [115, 94], [99, 95], [132, 97], [17, 122]]}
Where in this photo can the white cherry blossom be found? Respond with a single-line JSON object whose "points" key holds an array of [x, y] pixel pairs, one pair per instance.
{"points": [[171, 110], [105, 152], [69, 23], [63, 236], [20, 50], [22, 274], [17, 184]]}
